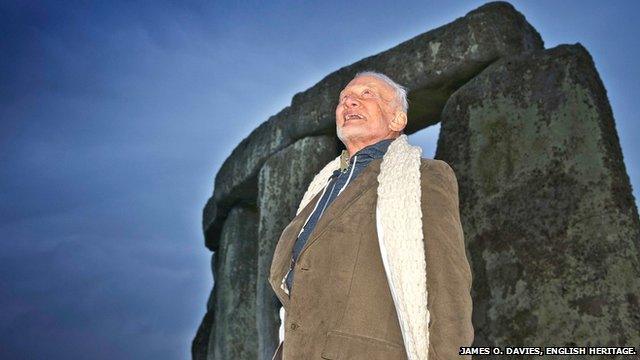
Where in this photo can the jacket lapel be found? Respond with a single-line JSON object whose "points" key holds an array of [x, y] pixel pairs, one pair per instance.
{"points": [[365, 180], [282, 254]]}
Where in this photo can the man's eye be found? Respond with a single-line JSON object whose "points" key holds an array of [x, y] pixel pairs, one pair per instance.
{"points": [[367, 92]]}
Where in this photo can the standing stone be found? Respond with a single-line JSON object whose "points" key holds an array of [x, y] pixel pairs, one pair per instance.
{"points": [[549, 217], [234, 334], [200, 343], [281, 185]]}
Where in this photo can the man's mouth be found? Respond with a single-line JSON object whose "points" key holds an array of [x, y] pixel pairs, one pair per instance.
{"points": [[348, 117]]}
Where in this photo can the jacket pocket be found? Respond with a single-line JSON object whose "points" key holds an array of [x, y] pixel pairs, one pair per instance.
{"points": [[340, 345]]}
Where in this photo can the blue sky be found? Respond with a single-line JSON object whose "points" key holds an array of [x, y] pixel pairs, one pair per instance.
{"points": [[117, 115]]}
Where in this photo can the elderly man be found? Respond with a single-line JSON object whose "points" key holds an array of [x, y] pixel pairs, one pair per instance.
{"points": [[374, 266]]}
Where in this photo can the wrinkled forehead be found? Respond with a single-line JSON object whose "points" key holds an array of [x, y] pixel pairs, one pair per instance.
{"points": [[368, 81]]}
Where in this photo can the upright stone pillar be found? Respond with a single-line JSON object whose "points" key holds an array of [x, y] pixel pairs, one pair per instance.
{"points": [[234, 334], [200, 343], [282, 182], [549, 217]]}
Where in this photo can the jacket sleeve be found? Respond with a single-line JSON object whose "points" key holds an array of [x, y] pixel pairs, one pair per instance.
{"points": [[448, 271]]}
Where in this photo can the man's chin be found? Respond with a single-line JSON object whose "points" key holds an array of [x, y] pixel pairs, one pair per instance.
{"points": [[351, 132]]}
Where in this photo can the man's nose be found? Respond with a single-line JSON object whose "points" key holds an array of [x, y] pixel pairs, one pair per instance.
{"points": [[351, 101]]}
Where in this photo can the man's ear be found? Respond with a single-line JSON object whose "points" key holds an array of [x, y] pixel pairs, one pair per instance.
{"points": [[399, 121]]}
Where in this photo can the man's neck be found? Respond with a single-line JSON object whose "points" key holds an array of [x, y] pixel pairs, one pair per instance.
{"points": [[354, 148]]}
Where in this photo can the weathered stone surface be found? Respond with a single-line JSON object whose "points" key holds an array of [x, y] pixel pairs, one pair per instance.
{"points": [[432, 65], [234, 333], [549, 218], [282, 182], [200, 343]]}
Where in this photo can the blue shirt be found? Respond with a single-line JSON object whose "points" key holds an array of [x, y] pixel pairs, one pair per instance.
{"points": [[337, 183]]}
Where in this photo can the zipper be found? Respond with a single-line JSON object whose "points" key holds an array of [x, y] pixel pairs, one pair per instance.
{"points": [[353, 167]]}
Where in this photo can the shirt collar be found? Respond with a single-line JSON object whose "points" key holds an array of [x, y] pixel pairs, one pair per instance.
{"points": [[373, 151], [376, 150]]}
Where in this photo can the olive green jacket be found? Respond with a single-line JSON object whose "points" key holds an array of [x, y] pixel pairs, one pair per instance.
{"points": [[384, 275]]}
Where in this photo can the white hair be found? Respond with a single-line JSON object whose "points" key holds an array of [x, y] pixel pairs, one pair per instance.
{"points": [[401, 91]]}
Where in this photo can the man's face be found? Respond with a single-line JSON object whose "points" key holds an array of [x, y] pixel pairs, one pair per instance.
{"points": [[366, 106]]}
